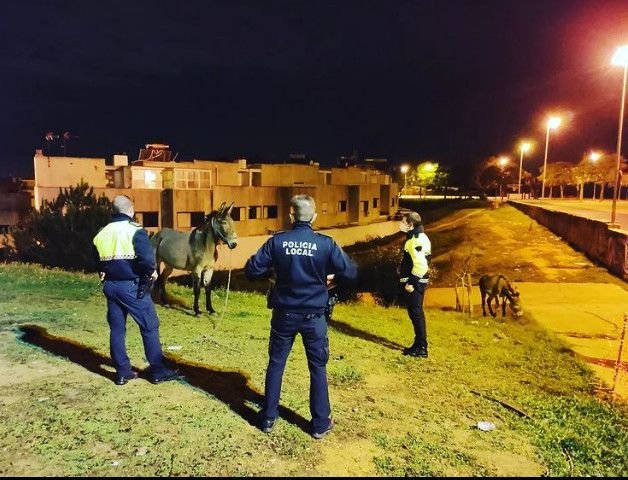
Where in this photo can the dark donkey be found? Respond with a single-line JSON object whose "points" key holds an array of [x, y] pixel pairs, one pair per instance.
{"points": [[195, 252], [495, 286]]}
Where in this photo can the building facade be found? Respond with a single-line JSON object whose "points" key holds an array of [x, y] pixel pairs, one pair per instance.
{"points": [[178, 194]]}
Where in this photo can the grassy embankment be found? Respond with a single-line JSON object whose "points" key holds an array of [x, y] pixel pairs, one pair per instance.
{"points": [[395, 416]]}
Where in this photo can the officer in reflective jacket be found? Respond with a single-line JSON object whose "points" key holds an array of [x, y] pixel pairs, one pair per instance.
{"points": [[127, 266], [303, 262], [413, 273]]}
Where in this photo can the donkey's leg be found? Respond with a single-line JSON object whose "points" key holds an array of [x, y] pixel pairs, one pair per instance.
{"points": [[197, 291], [207, 283], [483, 300], [489, 301], [163, 277], [503, 307]]}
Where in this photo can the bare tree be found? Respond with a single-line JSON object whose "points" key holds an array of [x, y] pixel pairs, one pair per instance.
{"points": [[463, 268]]}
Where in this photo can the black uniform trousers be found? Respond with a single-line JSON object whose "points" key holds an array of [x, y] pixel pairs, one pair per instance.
{"points": [[313, 329], [414, 303]]}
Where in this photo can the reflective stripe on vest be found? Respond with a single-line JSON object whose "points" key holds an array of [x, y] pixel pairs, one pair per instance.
{"points": [[115, 241], [419, 262]]}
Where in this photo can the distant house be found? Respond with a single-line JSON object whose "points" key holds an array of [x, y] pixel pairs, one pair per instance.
{"points": [[15, 201], [178, 194]]}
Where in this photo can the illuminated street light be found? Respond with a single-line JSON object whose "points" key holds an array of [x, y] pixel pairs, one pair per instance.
{"points": [[503, 161], [552, 123], [404, 170], [620, 58], [524, 148]]}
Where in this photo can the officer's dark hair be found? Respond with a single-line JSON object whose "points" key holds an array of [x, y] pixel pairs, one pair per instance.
{"points": [[303, 208], [122, 204], [413, 218]]}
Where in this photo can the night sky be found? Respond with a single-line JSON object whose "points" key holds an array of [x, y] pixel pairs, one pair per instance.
{"points": [[450, 81]]}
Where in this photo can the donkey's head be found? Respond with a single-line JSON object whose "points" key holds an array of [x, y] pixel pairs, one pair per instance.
{"points": [[515, 301], [223, 226]]}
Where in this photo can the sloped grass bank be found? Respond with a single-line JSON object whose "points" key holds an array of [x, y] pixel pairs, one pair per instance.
{"points": [[395, 415]]}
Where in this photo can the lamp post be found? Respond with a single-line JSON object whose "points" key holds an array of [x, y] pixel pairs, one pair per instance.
{"points": [[594, 156], [404, 170], [620, 58], [503, 161], [552, 122], [525, 147]]}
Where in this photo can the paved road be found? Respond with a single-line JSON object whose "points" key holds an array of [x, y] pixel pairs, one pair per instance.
{"points": [[592, 209]]}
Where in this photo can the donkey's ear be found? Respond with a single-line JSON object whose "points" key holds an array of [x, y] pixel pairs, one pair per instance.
{"points": [[230, 208], [222, 207]]}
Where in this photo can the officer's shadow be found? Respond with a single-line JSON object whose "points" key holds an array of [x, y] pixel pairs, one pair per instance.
{"points": [[230, 387], [357, 333]]}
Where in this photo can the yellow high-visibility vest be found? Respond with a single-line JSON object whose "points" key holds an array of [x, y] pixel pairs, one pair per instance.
{"points": [[115, 241], [418, 255]]}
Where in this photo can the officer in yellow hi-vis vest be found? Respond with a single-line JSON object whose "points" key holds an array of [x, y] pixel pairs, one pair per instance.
{"points": [[127, 268], [414, 274]]}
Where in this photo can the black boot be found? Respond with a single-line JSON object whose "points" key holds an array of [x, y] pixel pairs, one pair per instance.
{"points": [[417, 352], [407, 350]]}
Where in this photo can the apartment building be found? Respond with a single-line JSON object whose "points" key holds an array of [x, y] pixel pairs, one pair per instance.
{"points": [[178, 194]]}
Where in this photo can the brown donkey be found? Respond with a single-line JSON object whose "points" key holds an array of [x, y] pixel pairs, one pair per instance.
{"points": [[496, 286], [195, 252]]}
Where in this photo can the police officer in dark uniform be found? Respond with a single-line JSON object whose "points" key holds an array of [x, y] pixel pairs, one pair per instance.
{"points": [[303, 262], [414, 278], [127, 268]]}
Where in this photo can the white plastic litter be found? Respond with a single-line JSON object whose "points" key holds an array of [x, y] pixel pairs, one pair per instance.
{"points": [[486, 426], [175, 347]]}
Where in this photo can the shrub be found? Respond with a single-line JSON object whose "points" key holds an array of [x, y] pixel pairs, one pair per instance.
{"points": [[60, 234]]}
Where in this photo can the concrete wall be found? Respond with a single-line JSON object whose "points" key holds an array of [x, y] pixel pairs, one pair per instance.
{"points": [[283, 175], [62, 171], [247, 246], [605, 245]]}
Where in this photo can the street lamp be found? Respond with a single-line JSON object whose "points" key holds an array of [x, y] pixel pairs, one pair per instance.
{"points": [[552, 122], [503, 161], [404, 170], [525, 147], [620, 58]]}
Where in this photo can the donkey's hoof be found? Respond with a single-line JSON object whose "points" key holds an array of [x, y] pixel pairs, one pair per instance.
{"points": [[213, 313]]}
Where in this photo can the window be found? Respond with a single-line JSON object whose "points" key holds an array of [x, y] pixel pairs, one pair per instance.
{"points": [[256, 179], [255, 212], [365, 206], [342, 206], [190, 219], [205, 179], [238, 214], [147, 219], [145, 178], [324, 207], [375, 202], [192, 179], [270, 211], [150, 179]]}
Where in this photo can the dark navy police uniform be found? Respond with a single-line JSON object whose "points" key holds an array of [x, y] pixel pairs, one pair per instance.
{"points": [[301, 260], [126, 259]]}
